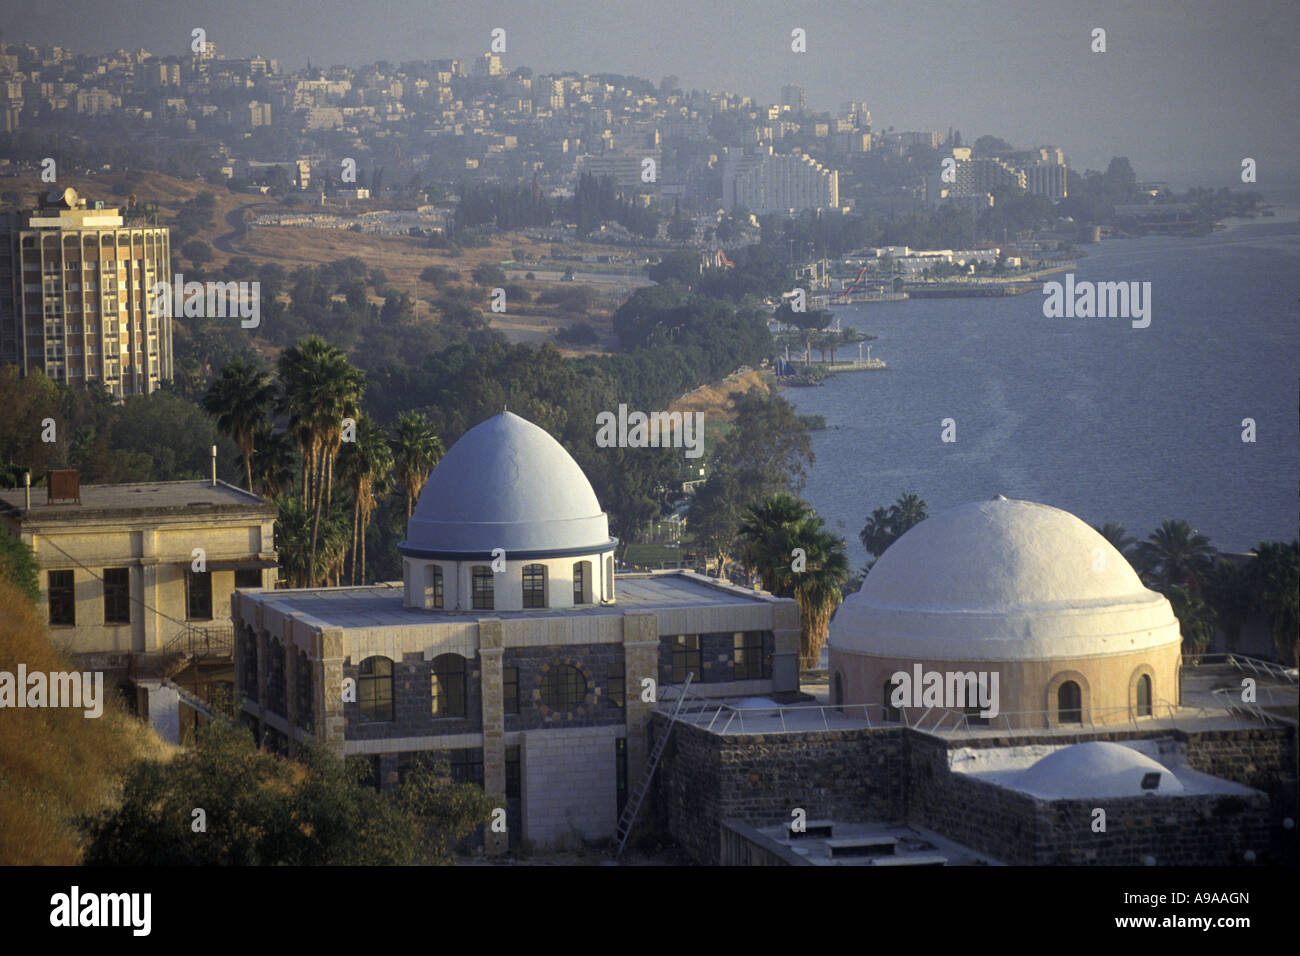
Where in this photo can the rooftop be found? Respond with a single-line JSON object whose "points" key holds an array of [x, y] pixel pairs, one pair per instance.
{"points": [[381, 605], [142, 498]]}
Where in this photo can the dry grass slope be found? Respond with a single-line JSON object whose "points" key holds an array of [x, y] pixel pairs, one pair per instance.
{"points": [[55, 763]]}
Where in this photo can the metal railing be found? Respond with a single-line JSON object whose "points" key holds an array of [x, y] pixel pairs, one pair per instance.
{"points": [[1252, 665], [718, 716], [192, 641]]}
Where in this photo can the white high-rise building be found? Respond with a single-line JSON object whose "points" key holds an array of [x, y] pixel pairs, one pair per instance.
{"points": [[767, 183]]}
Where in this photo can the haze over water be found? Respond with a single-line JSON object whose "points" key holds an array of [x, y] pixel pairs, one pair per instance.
{"points": [[1106, 421]]}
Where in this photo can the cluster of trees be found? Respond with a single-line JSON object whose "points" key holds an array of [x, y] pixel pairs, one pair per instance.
{"points": [[328, 440], [1209, 590], [49, 425], [503, 207], [597, 200], [259, 809]]}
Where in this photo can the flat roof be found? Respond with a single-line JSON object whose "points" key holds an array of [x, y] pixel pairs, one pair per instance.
{"points": [[143, 497], [381, 605]]}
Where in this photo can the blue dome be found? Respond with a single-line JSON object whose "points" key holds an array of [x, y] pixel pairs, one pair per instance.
{"points": [[506, 484]]}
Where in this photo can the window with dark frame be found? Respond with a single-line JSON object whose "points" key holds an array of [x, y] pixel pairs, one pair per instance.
{"points": [[510, 690], [514, 774], [198, 595], [615, 680], [375, 689], [579, 582], [466, 765], [117, 595], [1069, 703], [620, 772], [303, 690], [748, 652], [534, 585], [248, 577], [63, 598], [436, 573], [686, 657], [482, 588], [448, 685], [563, 687]]}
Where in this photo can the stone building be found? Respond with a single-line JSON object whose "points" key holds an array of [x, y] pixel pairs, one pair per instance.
{"points": [[511, 644], [1015, 590]]}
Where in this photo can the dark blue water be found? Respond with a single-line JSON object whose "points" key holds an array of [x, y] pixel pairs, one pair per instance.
{"points": [[1106, 421]]}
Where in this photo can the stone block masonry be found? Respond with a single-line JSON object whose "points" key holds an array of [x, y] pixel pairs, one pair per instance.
{"points": [[569, 792]]}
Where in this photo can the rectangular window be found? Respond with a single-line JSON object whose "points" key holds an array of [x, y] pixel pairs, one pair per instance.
{"points": [[484, 599], [616, 680], [620, 772], [198, 595], [467, 765], [437, 586], [686, 657], [117, 595], [510, 689], [248, 577], [749, 655], [578, 583], [63, 600], [534, 585], [514, 776]]}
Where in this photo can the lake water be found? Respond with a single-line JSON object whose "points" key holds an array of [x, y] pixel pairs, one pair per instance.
{"points": [[1104, 420]]}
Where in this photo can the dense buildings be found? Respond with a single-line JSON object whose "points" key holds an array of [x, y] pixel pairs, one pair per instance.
{"points": [[75, 296], [768, 183]]}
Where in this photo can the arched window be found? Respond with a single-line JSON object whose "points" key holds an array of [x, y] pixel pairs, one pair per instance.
{"points": [[534, 585], [481, 579], [435, 585], [889, 711], [375, 688], [563, 687], [1069, 703], [448, 685], [1144, 696], [837, 693]]}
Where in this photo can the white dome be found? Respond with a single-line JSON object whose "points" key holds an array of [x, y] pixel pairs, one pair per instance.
{"points": [[1002, 580], [1094, 769], [506, 484]]}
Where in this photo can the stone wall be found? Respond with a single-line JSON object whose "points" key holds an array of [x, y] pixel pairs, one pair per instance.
{"points": [[849, 775], [894, 774], [569, 793], [595, 661], [413, 703]]}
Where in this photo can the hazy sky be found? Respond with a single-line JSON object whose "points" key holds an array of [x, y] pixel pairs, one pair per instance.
{"points": [[1186, 89]]}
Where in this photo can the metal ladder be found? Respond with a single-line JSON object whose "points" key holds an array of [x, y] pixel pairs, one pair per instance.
{"points": [[624, 828]]}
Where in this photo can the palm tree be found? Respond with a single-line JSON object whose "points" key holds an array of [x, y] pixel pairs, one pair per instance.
{"points": [[293, 542], [273, 465], [1175, 555], [366, 465], [319, 388], [416, 451], [774, 529], [886, 525], [239, 398], [1195, 620], [1275, 573], [819, 587], [1114, 533], [765, 530], [1228, 589]]}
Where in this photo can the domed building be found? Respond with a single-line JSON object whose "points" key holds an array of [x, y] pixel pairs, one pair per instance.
{"points": [[504, 646], [507, 494], [1020, 599]]}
